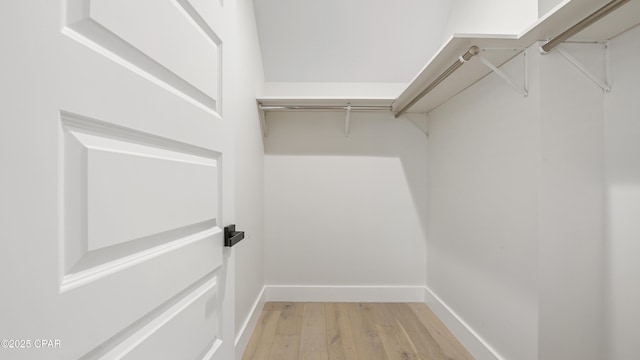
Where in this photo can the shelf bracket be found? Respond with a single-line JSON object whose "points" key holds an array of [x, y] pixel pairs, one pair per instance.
{"points": [[523, 90], [263, 121], [347, 117], [602, 83]]}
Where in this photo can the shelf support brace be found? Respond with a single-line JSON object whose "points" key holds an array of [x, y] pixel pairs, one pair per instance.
{"points": [[473, 51], [522, 90], [347, 117], [263, 121], [603, 84]]}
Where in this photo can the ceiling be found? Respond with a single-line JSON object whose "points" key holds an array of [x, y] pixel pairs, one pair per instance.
{"points": [[348, 40]]}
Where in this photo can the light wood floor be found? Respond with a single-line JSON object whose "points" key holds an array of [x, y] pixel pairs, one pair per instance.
{"points": [[362, 331]]}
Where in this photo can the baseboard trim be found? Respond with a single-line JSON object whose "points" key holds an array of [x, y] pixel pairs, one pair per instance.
{"points": [[345, 293], [243, 337], [479, 348]]}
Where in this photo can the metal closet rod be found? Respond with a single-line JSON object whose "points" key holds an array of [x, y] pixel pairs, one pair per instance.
{"points": [[597, 15], [473, 51], [323, 107]]}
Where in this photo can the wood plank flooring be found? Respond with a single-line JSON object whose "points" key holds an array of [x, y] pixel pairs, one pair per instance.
{"points": [[346, 331]]}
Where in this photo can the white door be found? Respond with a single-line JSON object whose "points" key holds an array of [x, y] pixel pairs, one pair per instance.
{"points": [[115, 180]]}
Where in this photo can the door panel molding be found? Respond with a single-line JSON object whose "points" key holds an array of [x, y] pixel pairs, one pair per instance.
{"points": [[110, 172], [99, 25], [131, 340]]}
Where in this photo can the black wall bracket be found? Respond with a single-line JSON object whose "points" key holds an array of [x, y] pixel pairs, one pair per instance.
{"points": [[231, 236]]}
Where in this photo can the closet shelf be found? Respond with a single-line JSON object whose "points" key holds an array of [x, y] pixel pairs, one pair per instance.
{"points": [[346, 105], [320, 103], [499, 49]]}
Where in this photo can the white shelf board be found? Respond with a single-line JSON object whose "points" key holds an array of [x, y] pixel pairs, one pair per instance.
{"points": [[465, 76], [565, 15], [316, 101], [497, 48]]}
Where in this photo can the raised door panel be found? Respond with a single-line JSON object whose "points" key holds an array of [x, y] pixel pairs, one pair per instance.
{"points": [[177, 47], [186, 327], [129, 195], [150, 264], [136, 191]]}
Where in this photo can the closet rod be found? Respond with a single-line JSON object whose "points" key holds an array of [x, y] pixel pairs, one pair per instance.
{"points": [[597, 15], [474, 50], [321, 107]]}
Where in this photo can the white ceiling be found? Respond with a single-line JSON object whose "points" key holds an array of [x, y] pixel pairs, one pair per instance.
{"points": [[348, 40]]}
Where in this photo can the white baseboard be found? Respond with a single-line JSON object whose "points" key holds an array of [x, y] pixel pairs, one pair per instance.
{"points": [[243, 337], [345, 293], [479, 348]]}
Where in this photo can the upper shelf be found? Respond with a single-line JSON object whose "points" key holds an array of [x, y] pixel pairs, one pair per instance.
{"points": [[500, 48], [324, 102]]}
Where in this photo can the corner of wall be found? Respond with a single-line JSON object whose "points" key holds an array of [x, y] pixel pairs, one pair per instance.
{"points": [[480, 349], [245, 332], [247, 78]]}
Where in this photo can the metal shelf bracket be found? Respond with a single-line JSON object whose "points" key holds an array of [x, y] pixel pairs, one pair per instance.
{"points": [[347, 117], [523, 90], [263, 121], [604, 84]]}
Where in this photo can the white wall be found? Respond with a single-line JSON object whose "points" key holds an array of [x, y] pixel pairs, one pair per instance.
{"points": [[571, 218], [622, 138], [544, 6], [344, 211], [491, 17], [348, 41], [483, 207], [249, 163], [333, 90], [516, 223]]}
